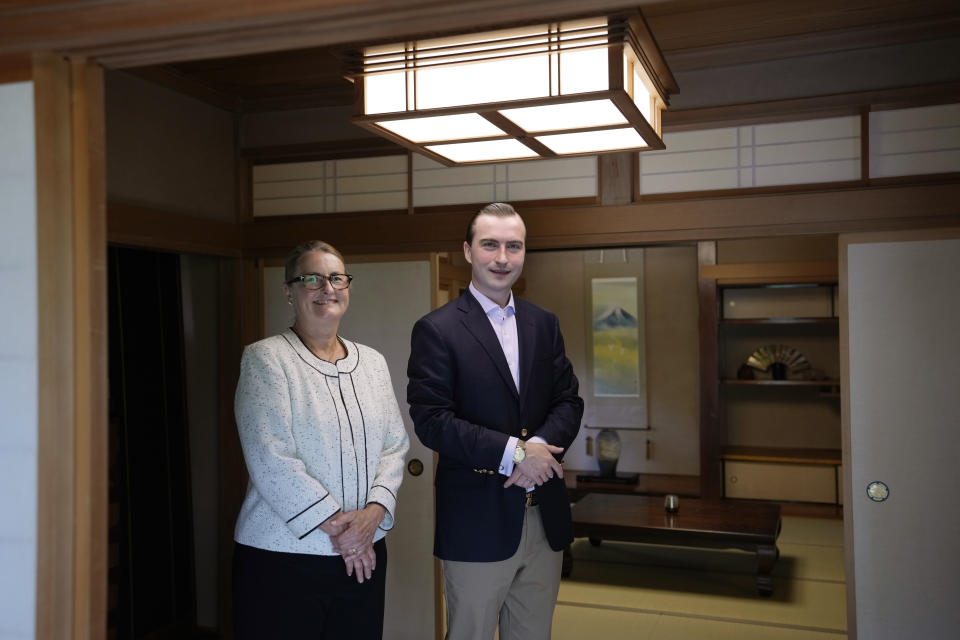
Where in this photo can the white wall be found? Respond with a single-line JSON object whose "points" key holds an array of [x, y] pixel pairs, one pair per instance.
{"points": [[18, 362]]}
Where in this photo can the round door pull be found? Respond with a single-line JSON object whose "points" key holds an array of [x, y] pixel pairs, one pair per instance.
{"points": [[415, 467]]}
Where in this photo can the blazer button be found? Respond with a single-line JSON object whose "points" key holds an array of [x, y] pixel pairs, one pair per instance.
{"points": [[523, 433]]}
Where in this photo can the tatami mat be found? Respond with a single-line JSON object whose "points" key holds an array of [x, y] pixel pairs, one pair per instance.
{"points": [[623, 590]]}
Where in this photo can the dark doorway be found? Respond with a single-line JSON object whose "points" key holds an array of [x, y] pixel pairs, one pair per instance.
{"points": [[151, 568]]}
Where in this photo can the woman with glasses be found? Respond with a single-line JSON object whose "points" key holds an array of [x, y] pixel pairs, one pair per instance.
{"points": [[324, 445]]}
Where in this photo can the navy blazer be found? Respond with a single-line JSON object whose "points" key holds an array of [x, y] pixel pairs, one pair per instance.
{"points": [[465, 406]]}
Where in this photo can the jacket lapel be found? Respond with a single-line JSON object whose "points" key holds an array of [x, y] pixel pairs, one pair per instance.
{"points": [[527, 338], [478, 325]]}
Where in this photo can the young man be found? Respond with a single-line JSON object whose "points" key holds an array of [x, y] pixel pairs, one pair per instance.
{"points": [[491, 390]]}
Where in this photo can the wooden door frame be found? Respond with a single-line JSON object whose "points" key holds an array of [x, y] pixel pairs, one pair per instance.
{"points": [[72, 349]]}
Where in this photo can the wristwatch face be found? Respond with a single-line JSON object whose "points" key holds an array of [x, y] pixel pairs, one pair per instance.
{"points": [[519, 454]]}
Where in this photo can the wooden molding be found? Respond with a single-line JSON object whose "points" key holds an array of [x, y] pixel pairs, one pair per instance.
{"points": [[149, 33], [771, 272], [16, 68], [138, 226], [816, 42], [331, 150]]}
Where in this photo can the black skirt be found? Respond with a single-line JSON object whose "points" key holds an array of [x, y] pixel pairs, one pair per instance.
{"points": [[304, 596]]}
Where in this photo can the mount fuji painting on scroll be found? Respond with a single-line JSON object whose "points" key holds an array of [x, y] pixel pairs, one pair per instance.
{"points": [[616, 362]]}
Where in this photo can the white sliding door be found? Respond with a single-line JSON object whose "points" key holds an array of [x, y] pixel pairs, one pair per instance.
{"points": [[902, 429]]}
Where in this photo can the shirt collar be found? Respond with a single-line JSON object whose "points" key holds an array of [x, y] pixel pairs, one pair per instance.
{"points": [[489, 305]]}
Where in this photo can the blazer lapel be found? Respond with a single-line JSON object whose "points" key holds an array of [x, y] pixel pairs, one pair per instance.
{"points": [[477, 323], [527, 337]]}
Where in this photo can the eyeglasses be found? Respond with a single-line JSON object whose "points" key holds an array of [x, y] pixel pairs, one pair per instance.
{"points": [[316, 280]]}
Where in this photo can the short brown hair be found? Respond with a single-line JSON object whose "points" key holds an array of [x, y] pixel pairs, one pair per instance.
{"points": [[293, 259], [498, 209]]}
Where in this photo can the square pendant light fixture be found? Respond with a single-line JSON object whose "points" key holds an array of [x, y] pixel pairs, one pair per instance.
{"points": [[574, 87]]}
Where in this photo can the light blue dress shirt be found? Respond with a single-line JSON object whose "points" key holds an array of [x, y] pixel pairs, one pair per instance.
{"points": [[504, 323]]}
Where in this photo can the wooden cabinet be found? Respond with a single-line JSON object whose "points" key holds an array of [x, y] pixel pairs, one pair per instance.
{"points": [[770, 431]]}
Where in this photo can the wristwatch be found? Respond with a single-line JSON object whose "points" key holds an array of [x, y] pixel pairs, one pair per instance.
{"points": [[520, 453]]}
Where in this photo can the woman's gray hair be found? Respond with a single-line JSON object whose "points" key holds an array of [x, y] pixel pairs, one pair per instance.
{"points": [[293, 259]]}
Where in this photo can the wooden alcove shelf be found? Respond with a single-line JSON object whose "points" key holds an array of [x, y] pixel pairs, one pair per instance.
{"points": [[784, 454], [751, 321], [782, 383]]}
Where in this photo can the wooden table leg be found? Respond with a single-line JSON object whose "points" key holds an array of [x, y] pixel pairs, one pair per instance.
{"points": [[766, 557]]}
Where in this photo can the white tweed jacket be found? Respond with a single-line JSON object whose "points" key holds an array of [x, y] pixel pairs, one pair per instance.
{"points": [[317, 437]]}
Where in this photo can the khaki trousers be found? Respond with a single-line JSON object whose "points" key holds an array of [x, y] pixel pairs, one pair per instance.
{"points": [[519, 592]]}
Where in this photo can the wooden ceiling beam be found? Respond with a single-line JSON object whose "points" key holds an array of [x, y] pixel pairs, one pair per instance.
{"points": [[130, 34]]}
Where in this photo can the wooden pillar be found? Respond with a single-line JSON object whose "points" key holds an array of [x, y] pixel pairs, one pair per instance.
{"points": [[712, 436], [72, 349]]}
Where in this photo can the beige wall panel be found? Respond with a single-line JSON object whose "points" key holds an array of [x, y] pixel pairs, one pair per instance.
{"points": [[682, 162], [804, 130], [698, 140], [372, 183], [837, 170], [289, 171], [452, 195], [780, 481], [452, 176], [288, 188], [699, 181], [935, 139], [288, 206], [548, 189], [580, 167], [944, 115], [767, 302], [370, 166], [914, 164], [372, 201], [800, 152]]}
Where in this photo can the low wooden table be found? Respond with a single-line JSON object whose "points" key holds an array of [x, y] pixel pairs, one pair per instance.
{"points": [[714, 524]]}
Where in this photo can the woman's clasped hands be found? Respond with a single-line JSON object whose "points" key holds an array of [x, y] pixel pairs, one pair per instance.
{"points": [[352, 534]]}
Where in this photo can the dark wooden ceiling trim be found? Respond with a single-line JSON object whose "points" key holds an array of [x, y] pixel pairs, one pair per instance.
{"points": [[171, 78], [334, 149], [686, 24], [869, 36], [128, 34], [16, 68]]}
